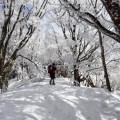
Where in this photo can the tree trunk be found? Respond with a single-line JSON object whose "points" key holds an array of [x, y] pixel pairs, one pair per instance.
{"points": [[4, 84], [113, 8], [104, 63], [76, 76], [4, 74]]}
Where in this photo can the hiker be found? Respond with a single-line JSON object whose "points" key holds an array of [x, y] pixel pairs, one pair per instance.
{"points": [[51, 71]]}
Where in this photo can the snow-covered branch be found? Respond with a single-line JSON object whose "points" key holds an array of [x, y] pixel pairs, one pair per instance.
{"points": [[91, 20]]}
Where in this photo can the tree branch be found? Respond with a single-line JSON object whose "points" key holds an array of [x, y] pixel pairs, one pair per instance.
{"points": [[28, 60], [91, 20]]}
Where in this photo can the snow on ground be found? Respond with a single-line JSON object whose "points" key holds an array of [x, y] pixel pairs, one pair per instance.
{"points": [[41, 101]]}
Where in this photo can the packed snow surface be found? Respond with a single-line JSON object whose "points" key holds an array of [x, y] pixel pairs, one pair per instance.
{"points": [[41, 101]]}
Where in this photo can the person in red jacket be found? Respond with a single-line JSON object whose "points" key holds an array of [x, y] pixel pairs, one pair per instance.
{"points": [[51, 71]]}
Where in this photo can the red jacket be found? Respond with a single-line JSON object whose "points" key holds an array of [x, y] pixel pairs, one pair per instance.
{"points": [[51, 69]]}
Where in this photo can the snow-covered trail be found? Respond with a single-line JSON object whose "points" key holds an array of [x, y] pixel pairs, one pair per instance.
{"points": [[41, 101]]}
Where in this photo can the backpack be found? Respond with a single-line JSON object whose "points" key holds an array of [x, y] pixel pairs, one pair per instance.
{"points": [[50, 68]]}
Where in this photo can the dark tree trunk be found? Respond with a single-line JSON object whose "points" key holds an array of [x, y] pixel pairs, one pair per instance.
{"points": [[113, 8], [76, 76], [104, 63]]}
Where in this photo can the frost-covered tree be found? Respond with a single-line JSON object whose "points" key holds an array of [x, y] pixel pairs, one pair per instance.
{"points": [[78, 49], [81, 50], [89, 18], [102, 49], [18, 22]]}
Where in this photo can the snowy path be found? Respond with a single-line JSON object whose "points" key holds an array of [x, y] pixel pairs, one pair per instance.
{"points": [[41, 101]]}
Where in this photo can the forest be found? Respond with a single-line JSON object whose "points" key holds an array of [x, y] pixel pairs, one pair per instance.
{"points": [[82, 37]]}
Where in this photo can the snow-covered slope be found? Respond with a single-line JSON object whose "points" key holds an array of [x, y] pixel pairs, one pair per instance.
{"points": [[41, 101]]}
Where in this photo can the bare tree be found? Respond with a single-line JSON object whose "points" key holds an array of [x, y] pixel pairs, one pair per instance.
{"points": [[104, 62], [19, 28], [102, 52], [79, 51], [90, 19]]}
